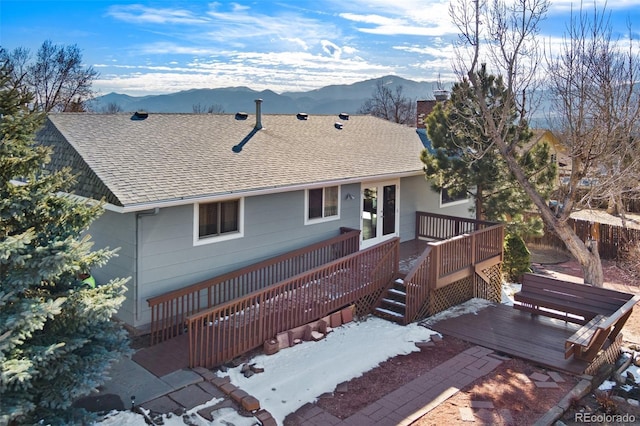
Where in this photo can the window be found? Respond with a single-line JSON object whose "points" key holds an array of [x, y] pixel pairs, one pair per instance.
{"points": [[322, 204], [218, 219], [446, 198]]}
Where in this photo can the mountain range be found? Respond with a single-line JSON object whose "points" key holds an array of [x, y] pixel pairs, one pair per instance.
{"points": [[326, 100]]}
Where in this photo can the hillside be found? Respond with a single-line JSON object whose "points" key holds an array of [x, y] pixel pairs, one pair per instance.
{"points": [[327, 100]]}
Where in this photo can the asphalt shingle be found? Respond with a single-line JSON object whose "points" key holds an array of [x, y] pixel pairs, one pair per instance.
{"points": [[168, 157]]}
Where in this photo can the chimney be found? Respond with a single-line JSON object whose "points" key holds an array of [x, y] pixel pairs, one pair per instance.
{"points": [[423, 109], [258, 114], [441, 95]]}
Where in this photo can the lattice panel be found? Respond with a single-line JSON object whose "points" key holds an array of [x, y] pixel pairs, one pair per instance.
{"points": [[423, 312], [606, 356], [490, 291], [365, 304], [451, 295]]}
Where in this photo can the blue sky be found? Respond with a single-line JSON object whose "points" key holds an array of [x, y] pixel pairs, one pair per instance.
{"points": [[162, 46]]}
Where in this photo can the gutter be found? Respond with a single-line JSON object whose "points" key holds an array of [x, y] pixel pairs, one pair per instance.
{"points": [[131, 208]]}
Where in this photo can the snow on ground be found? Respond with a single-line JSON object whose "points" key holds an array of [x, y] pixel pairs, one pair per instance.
{"points": [[508, 290], [471, 306], [299, 374], [222, 417]]}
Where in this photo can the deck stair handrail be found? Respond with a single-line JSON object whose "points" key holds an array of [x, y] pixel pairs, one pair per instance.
{"points": [[169, 311], [444, 262], [225, 331]]}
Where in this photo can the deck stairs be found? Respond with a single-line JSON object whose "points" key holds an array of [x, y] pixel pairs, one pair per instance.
{"points": [[393, 304]]}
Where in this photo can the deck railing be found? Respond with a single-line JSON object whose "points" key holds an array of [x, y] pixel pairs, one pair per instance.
{"points": [[441, 227], [233, 328], [444, 262], [169, 311]]}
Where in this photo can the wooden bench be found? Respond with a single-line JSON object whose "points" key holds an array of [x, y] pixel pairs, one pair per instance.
{"points": [[601, 312]]}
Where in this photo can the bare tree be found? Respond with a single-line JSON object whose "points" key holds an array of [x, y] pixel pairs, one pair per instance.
{"points": [[596, 100], [112, 108], [390, 105], [57, 78], [207, 109]]}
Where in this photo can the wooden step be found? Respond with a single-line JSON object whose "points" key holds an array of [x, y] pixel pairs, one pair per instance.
{"points": [[395, 302], [390, 313], [397, 292]]}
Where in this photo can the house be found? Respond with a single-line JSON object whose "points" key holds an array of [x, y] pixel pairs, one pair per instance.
{"points": [[193, 196]]}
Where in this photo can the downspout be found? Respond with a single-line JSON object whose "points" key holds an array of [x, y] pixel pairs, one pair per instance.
{"points": [[139, 216]]}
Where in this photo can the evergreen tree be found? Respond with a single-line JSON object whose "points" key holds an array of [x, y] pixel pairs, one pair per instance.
{"points": [[57, 336], [464, 161]]}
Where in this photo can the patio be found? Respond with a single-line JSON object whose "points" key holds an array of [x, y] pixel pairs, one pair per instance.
{"points": [[538, 339]]}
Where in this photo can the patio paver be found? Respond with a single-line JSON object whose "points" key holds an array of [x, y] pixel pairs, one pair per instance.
{"points": [[408, 403]]}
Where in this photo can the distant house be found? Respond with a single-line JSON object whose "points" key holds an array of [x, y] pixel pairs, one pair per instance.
{"points": [[193, 196]]}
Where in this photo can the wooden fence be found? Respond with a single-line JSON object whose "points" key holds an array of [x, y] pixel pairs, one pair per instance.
{"points": [[169, 311], [225, 331], [610, 238]]}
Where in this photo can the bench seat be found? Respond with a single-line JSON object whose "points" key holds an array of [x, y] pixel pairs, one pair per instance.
{"points": [[533, 302], [579, 342], [601, 312]]}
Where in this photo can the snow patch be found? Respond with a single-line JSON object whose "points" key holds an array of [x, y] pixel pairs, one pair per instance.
{"points": [[607, 385], [471, 306], [508, 292], [299, 374]]}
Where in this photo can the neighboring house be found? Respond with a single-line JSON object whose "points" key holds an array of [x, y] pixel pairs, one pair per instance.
{"points": [[193, 196], [558, 151]]}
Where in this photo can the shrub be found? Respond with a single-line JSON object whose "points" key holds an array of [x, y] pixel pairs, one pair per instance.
{"points": [[517, 258]]}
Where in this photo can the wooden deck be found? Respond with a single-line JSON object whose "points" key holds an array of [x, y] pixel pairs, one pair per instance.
{"points": [[504, 329]]}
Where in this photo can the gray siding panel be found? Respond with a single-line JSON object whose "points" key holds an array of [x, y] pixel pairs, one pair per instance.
{"points": [[273, 224], [115, 230], [416, 195]]}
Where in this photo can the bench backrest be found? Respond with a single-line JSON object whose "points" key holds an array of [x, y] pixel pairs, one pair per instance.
{"points": [[595, 299]]}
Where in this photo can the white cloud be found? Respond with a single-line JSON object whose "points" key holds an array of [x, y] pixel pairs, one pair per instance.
{"points": [[567, 5], [139, 14]]}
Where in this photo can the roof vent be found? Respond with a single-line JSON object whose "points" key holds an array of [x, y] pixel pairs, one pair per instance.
{"points": [[302, 116], [241, 115], [258, 114], [343, 116], [139, 115], [338, 125]]}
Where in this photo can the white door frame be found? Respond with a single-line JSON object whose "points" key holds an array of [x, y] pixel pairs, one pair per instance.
{"points": [[379, 215]]}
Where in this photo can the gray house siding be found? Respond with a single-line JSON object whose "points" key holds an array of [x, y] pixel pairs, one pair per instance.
{"points": [[273, 224], [115, 230], [416, 195]]}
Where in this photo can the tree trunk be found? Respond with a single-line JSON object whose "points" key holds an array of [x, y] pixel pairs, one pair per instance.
{"points": [[586, 254]]}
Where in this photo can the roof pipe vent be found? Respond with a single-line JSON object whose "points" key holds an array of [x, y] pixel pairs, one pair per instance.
{"points": [[241, 115], [258, 114], [343, 116], [302, 116], [140, 115], [338, 125]]}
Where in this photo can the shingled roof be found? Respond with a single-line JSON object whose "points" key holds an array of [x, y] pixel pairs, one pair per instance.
{"points": [[136, 163]]}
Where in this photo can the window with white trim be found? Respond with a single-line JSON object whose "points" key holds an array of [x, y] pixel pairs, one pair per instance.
{"points": [[446, 198], [322, 204], [218, 220]]}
